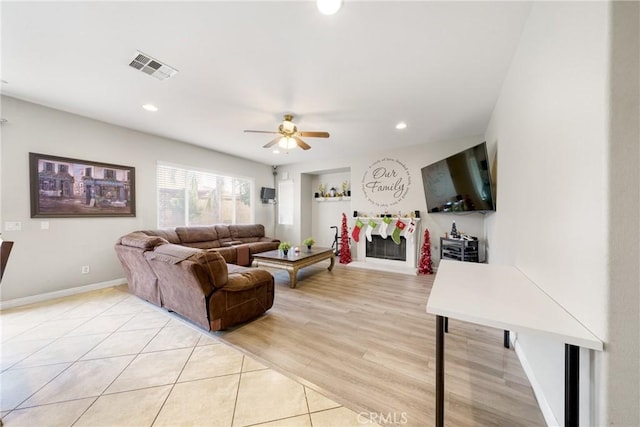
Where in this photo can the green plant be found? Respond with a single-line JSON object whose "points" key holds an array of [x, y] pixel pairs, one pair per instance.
{"points": [[284, 246], [309, 241]]}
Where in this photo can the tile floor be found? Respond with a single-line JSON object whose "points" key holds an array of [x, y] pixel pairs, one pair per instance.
{"points": [[107, 358]]}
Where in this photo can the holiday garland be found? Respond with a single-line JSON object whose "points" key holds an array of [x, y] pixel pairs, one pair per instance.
{"points": [[345, 250], [425, 266]]}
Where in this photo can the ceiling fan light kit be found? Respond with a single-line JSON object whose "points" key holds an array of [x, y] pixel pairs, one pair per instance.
{"points": [[329, 7], [289, 136], [287, 143]]}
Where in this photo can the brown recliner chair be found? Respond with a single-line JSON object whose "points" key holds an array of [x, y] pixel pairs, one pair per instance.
{"points": [[199, 285]]}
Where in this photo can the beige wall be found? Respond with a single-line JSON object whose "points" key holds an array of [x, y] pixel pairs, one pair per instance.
{"points": [[45, 261]]}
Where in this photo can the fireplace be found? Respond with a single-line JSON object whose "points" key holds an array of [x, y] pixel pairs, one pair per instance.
{"points": [[387, 248], [385, 254]]}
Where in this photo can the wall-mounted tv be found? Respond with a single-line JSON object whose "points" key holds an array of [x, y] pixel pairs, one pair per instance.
{"points": [[459, 183], [267, 194]]}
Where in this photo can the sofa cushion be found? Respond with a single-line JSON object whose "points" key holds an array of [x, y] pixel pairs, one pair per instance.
{"points": [[215, 265], [201, 237], [258, 247], [140, 240], [247, 233], [195, 234], [211, 262], [247, 279], [224, 235]]}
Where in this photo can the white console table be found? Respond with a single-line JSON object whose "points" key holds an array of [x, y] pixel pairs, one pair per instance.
{"points": [[503, 297]]}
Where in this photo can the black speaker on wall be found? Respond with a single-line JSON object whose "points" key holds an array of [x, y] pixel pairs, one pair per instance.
{"points": [[355, 214]]}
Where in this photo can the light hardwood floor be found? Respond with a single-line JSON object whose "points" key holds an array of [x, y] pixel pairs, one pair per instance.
{"points": [[363, 338]]}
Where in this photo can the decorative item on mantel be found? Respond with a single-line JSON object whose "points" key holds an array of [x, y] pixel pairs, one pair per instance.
{"points": [[345, 250], [425, 266], [345, 186]]}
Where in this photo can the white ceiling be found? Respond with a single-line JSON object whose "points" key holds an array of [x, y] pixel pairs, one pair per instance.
{"points": [[242, 65]]}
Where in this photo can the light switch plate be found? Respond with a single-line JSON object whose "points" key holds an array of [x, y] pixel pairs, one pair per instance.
{"points": [[44, 225], [12, 226]]}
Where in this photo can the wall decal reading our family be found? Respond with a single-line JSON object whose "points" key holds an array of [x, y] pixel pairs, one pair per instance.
{"points": [[386, 182]]}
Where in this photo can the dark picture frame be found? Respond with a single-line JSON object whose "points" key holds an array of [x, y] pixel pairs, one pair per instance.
{"points": [[62, 187]]}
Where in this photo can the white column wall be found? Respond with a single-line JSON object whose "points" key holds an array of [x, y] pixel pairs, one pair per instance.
{"points": [[559, 204]]}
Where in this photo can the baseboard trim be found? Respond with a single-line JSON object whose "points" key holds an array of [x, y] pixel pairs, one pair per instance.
{"points": [[547, 413], [18, 302]]}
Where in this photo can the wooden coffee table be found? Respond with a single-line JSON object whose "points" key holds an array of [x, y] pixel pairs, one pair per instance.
{"points": [[293, 261]]}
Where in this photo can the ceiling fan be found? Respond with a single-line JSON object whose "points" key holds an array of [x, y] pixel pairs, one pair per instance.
{"points": [[289, 135]]}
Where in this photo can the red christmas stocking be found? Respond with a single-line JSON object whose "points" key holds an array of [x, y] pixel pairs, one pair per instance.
{"points": [[355, 233]]}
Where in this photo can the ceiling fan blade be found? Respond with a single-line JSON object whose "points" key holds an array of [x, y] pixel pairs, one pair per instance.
{"points": [[314, 134], [261, 131], [272, 142], [301, 143]]}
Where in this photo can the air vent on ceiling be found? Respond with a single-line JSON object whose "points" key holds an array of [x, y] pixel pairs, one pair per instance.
{"points": [[151, 66]]}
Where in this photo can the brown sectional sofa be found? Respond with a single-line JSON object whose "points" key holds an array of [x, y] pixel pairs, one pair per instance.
{"points": [[192, 271]]}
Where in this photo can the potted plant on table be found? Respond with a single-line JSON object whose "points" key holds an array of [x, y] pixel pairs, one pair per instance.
{"points": [[284, 247], [308, 242]]}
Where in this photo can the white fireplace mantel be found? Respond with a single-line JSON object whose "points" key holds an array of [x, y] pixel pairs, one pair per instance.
{"points": [[412, 245]]}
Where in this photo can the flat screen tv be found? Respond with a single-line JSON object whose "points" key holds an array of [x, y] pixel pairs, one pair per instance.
{"points": [[267, 194], [459, 183]]}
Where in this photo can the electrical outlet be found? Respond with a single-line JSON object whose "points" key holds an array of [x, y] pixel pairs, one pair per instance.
{"points": [[85, 269]]}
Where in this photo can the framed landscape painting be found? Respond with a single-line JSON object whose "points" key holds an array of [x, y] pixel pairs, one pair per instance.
{"points": [[63, 187]]}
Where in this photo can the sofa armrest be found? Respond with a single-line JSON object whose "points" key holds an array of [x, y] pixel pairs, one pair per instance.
{"points": [[229, 254], [140, 240]]}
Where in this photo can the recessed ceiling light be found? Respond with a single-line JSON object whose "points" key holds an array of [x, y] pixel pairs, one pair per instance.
{"points": [[276, 151], [401, 125], [150, 107], [329, 7]]}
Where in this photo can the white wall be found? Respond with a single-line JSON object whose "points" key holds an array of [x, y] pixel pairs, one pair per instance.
{"points": [[50, 260], [325, 214], [555, 197]]}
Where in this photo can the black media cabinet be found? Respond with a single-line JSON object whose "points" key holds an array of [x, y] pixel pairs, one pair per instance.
{"points": [[459, 249]]}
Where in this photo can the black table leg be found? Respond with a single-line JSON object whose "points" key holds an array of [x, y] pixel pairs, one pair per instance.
{"points": [[571, 385], [440, 329], [506, 339]]}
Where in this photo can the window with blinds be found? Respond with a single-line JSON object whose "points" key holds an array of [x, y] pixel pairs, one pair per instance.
{"points": [[193, 197]]}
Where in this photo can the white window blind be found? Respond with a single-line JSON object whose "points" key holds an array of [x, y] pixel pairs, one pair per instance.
{"points": [[193, 197]]}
